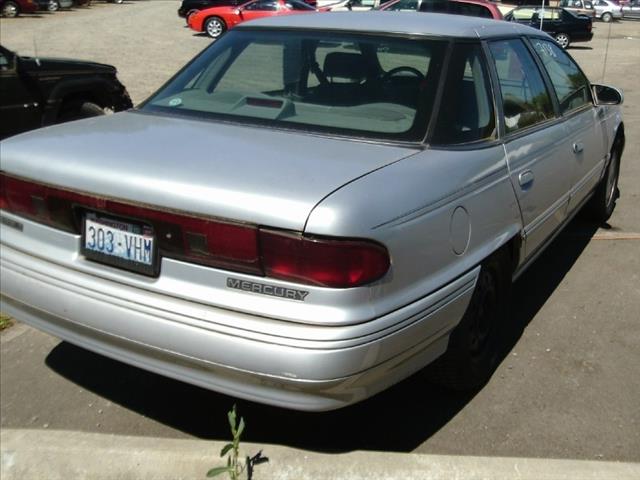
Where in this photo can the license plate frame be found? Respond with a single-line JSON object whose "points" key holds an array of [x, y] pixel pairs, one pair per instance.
{"points": [[122, 229]]}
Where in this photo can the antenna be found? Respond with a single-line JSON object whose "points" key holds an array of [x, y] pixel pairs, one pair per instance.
{"points": [[606, 54]]}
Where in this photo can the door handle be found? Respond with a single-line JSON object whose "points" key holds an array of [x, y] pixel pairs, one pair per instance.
{"points": [[525, 178], [578, 147]]}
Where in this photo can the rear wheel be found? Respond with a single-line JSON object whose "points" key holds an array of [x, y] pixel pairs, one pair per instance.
{"points": [[606, 17], [10, 9], [474, 344], [214, 27], [563, 39]]}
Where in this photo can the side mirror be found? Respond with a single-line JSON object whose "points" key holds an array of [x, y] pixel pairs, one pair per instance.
{"points": [[606, 95]]}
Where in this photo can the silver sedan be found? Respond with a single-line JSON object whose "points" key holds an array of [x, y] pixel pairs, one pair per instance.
{"points": [[314, 208]]}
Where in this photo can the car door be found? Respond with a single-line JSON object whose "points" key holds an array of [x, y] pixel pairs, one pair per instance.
{"points": [[534, 141], [583, 121], [19, 108]]}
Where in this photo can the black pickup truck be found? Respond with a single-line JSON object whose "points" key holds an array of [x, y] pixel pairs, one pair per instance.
{"points": [[35, 92]]}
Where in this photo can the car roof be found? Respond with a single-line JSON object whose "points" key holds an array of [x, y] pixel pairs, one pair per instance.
{"points": [[408, 23]]}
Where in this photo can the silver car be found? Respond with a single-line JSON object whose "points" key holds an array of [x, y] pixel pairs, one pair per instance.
{"points": [[606, 10], [314, 208]]}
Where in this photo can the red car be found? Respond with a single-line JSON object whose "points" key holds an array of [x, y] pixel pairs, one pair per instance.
{"points": [[215, 21], [13, 8], [474, 8]]}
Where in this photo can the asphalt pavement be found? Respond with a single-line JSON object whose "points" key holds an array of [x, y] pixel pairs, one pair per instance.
{"points": [[567, 385]]}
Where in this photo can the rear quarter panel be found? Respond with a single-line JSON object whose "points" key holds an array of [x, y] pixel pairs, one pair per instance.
{"points": [[409, 207]]}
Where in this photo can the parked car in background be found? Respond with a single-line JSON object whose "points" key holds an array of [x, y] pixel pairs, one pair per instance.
{"points": [[580, 7], [607, 10], [474, 8], [36, 92], [54, 5], [565, 26], [217, 20], [632, 10], [189, 7], [13, 8], [355, 197]]}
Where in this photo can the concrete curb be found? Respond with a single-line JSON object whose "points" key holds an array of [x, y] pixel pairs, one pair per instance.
{"points": [[58, 455]]}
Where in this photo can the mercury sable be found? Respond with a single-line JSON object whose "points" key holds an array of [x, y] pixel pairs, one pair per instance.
{"points": [[314, 208]]}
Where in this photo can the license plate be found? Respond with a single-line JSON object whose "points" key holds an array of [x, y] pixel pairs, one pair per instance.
{"points": [[119, 243]]}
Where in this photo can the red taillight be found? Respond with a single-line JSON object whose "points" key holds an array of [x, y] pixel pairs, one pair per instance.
{"points": [[322, 261], [184, 237], [330, 262]]}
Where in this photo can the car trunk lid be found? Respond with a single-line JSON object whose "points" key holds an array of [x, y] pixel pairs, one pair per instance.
{"points": [[253, 175]]}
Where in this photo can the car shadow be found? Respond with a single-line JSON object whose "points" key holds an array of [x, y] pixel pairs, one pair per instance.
{"points": [[399, 419]]}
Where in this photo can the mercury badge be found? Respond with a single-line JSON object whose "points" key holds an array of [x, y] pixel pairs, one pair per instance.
{"points": [[264, 289]]}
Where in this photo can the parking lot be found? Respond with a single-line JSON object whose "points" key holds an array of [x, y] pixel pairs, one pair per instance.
{"points": [[567, 385]]}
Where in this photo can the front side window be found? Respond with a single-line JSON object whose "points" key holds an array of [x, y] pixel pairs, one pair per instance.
{"points": [[263, 6], [525, 100], [362, 85], [569, 83]]}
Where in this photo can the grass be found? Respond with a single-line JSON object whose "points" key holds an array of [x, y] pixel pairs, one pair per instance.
{"points": [[5, 321]]}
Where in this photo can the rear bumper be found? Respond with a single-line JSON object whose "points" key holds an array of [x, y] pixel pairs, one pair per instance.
{"points": [[581, 37], [195, 343]]}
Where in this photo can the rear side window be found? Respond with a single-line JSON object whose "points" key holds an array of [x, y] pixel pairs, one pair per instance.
{"points": [[525, 100], [569, 83], [466, 113]]}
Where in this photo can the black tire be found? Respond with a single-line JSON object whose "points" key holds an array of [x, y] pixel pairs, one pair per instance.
{"points": [[606, 17], [214, 27], [78, 110], [474, 345], [603, 202], [563, 39], [10, 9]]}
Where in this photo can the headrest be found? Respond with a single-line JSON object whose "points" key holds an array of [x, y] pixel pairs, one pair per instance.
{"points": [[345, 65]]}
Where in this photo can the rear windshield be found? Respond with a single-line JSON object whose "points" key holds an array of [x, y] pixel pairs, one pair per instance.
{"points": [[362, 85]]}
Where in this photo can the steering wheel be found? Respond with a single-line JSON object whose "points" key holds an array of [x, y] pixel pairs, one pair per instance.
{"points": [[414, 71]]}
